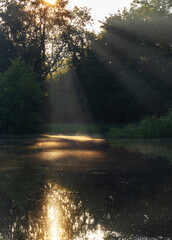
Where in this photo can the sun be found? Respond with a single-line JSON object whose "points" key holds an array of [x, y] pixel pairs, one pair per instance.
{"points": [[51, 1]]}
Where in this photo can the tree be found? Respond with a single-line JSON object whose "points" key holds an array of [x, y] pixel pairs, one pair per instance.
{"points": [[108, 99], [43, 34], [151, 8], [6, 53], [20, 96], [126, 72], [138, 44]]}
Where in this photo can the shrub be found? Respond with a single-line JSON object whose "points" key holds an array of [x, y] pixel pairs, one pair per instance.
{"points": [[20, 96], [148, 127]]}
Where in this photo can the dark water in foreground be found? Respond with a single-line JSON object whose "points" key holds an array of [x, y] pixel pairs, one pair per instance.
{"points": [[78, 188]]}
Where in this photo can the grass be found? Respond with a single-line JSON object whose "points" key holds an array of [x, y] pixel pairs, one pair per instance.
{"points": [[148, 127]]}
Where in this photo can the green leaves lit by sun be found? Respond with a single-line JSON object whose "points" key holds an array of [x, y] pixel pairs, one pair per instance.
{"points": [[50, 1]]}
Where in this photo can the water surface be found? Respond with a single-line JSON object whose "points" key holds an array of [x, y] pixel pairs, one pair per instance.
{"points": [[78, 187]]}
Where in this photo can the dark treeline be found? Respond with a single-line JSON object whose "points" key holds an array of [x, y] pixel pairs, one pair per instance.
{"points": [[119, 75], [35, 39], [126, 71]]}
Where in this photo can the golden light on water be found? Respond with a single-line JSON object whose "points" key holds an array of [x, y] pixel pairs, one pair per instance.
{"points": [[81, 138], [53, 217], [61, 154], [98, 234], [61, 218], [60, 210], [53, 224]]}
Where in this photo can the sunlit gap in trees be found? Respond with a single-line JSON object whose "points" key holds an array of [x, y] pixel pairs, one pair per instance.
{"points": [[50, 1], [65, 96], [68, 101]]}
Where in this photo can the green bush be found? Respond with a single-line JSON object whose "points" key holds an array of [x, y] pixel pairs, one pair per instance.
{"points": [[148, 127], [20, 96]]}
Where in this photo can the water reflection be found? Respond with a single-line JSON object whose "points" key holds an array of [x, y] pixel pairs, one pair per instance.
{"points": [[63, 151], [53, 219], [59, 218], [76, 138], [112, 194], [150, 147], [63, 221], [66, 209]]}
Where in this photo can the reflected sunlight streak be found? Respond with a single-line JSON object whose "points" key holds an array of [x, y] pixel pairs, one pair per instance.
{"points": [[93, 235], [59, 214], [63, 217], [75, 138], [97, 235], [53, 219]]}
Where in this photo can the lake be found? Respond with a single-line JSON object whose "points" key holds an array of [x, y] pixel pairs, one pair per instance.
{"points": [[57, 187]]}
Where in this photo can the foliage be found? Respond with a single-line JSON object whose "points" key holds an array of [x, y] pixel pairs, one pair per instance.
{"points": [[122, 74], [6, 53], [154, 8], [20, 97], [43, 34], [106, 96], [126, 71], [148, 127]]}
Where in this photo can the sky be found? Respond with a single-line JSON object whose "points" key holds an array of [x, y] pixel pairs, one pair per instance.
{"points": [[101, 8]]}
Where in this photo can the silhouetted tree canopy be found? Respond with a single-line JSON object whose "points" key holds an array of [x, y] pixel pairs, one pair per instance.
{"points": [[40, 33], [42, 36], [20, 98], [126, 71]]}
